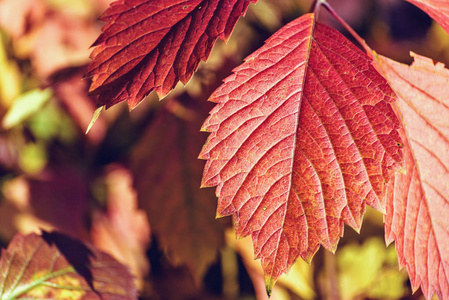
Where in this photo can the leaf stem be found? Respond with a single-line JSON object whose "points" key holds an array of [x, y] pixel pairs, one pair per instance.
{"points": [[317, 7], [357, 37]]}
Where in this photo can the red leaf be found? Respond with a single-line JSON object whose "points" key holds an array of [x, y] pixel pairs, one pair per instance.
{"points": [[55, 266], [150, 45], [418, 201], [437, 9], [167, 175], [302, 137]]}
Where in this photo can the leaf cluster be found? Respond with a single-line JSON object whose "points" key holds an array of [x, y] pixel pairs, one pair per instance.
{"points": [[312, 132]]}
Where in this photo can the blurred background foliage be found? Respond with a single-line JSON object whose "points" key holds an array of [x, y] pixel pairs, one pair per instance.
{"points": [[113, 189]]}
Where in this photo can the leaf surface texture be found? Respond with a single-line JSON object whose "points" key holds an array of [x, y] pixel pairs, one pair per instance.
{"points": [[418, 201], [301, 138]]}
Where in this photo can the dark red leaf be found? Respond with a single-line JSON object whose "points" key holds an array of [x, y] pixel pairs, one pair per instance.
{"points": [[167, 176], [59, 196], [302, 137], [150, 45]]}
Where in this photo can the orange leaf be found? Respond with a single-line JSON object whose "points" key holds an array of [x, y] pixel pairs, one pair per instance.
{"points": [[418, 201]]}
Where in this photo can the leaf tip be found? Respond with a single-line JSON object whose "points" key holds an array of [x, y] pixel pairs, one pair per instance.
{"points": [[162, 93], [203, 182], [97, 113], [269, 283], [334, 246], [201, 156], [132, 105], [357, 228]]}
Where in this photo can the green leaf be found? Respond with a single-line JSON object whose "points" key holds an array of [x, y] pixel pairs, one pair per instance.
{"points": [[25, 106], [32, 158]]}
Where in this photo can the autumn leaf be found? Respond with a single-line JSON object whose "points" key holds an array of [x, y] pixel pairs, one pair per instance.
{"points": [[150, 45], [302, 137], [27, 13], [54, 266], [418, 201], [167, 176], [437, 9], [122, 230], [59, 196], [49, 38]]}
